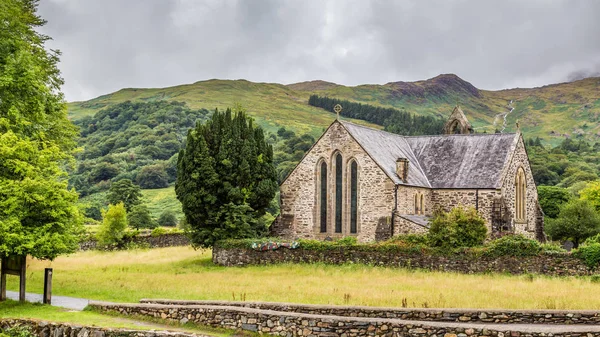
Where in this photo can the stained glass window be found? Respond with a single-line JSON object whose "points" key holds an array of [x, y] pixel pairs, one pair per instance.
{"points": [[353, 197], [338, 193]]}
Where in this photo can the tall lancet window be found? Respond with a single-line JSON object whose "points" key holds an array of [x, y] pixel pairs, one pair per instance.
{"points": [[520, 196], [338, 193], [353, 197], [323, 197]]}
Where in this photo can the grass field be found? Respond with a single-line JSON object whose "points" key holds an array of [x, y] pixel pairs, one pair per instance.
{"points": [[182, 273], [14, 309]]}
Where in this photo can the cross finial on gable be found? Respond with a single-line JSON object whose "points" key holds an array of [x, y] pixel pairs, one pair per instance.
{"points": [[337, 108]]}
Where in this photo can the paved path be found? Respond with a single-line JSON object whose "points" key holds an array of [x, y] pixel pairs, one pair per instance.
{"points": [[72, 303]]}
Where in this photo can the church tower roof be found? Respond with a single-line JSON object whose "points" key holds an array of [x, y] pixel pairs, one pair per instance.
{"points": [[457, 123]]}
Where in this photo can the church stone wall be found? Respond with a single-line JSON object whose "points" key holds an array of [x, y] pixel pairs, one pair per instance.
{"points": [[404, 226], [520, 159], [482, 199], [299, 192], [406, 199]]}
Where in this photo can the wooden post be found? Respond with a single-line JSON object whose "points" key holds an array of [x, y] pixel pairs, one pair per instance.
{"points": [[47, 286], [3, 279], [22, 276]]}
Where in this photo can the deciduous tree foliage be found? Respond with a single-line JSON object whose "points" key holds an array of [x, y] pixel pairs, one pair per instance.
{"points": [[124, 191], [225, 178], [38, 216], [551, 198], [577, 220]]}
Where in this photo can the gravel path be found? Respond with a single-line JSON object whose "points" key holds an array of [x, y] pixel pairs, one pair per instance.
{"points": [[72, 303]]}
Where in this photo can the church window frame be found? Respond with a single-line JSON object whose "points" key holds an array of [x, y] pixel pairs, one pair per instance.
{"points": [[322, 195], [338, 188], [520, 195], [353, 194], [421, 204]]}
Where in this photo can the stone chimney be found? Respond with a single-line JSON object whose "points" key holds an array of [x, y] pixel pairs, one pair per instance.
{"points": [[402, 168]]}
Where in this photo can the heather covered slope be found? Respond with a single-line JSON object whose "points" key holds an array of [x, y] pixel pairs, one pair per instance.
{"points": [[551, 112]]}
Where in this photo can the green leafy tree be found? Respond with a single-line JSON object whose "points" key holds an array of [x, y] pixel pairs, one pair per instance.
{"points": [[225, 179], [38, 214], [461, 227], [591, 193], [113, 226], [551, 198], [167, 219], [577, 220], [139, 217], [124, 191], [153, 176]]}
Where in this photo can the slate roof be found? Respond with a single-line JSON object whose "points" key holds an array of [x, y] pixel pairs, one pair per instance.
{"points": [[421, 220], [440, 161]]}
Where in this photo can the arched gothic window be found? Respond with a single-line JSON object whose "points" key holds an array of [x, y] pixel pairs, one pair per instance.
{"points": [[323, 197], [353, 197], [421, 204], [338, 192], [520, 195]]}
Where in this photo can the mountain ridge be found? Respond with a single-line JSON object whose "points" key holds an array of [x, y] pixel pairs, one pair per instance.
{"points": [[552, 112]]}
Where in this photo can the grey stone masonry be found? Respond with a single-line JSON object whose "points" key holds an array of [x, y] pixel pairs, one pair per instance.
{"points": [[441, 315], [50, 329], [560, 264], [299, 324]]}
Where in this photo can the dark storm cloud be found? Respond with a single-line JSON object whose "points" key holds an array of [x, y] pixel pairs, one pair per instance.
{"points": [[108, 45]]}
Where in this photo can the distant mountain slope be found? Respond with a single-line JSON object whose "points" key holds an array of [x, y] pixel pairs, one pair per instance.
{"points": [[551, 112]]}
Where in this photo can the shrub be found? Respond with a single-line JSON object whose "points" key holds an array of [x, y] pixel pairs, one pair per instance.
{"points": [[167, 219], [411, 239], [592, 239], [589, 254], [347, 241], [158, 231], [577, 220], [513, 245], [17, 331], [461, 227], [552, 248], [113, 225]]}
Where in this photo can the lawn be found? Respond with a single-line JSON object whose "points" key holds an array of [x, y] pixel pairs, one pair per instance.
{"points": [[183, 273]]}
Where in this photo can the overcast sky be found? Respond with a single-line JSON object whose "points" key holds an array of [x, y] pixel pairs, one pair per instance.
{"points": [[112, 44]]}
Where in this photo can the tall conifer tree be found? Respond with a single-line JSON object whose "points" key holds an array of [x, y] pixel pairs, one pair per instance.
{"points": [[225, 178]]}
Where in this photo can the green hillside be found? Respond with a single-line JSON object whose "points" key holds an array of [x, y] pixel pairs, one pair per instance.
{"points": [[551, 112], [124, 139]]}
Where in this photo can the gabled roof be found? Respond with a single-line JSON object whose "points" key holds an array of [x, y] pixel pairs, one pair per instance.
{"points": [[440, 161]]}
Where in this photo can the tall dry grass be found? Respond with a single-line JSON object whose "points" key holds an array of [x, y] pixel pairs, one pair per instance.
{"points": [[182, 273]]}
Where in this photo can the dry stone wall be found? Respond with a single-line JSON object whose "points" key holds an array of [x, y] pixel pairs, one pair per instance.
{"points": [[160, 241], [299, 324], [445, 315], [546, 264], [49, 329], [300, 213]]}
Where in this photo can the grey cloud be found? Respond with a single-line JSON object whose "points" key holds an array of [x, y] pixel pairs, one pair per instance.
{"points": [[108, 45]]}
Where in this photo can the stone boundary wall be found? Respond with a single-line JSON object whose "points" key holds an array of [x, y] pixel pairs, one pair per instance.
{"points": [[163, 240], [299, 324], [51, 329], [546, 264], [444, 315]]}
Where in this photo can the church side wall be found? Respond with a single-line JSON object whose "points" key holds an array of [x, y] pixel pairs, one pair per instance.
{"points": [[299, 193], [520, 159], [482, 199], [406, 199]]}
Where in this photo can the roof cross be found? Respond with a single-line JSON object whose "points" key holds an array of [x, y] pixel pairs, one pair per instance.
{"points": [[337, 108]]}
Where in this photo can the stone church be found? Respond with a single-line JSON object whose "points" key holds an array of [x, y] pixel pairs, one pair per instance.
{"points": [[363, 182]]}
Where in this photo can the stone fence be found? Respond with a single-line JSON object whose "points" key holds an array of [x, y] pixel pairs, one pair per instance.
{"points": [[300, 324], [443, 315], [49, 329], [163, 240], [560, 264]]}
